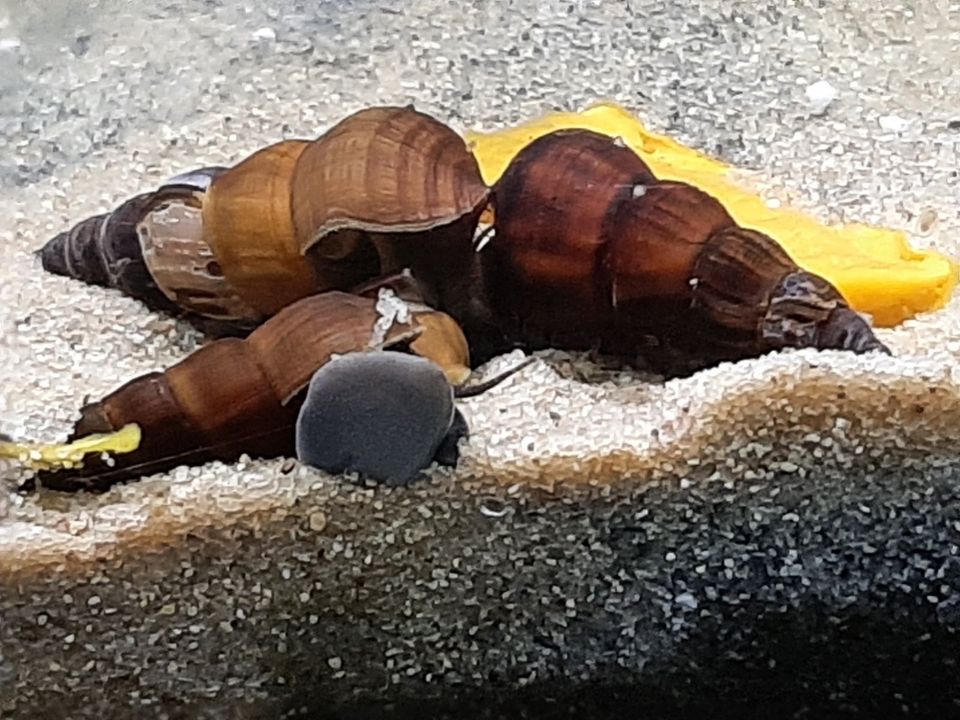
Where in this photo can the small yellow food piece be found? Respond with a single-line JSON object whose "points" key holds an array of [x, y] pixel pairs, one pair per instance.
{"points": [[874, 268], [44, 457]]}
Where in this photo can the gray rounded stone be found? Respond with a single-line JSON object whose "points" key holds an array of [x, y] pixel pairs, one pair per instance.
{"points": [[383, 415]]}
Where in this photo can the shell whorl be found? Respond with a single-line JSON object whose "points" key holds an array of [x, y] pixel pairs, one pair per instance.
{"points": [[178, 255], [152, 247], [387, 170], [105, 250]]}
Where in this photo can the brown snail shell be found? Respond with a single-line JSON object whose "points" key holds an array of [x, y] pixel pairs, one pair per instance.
{"points": [[591, 250], [232, 396], [383, 189], [247, 219], [404, 184]]}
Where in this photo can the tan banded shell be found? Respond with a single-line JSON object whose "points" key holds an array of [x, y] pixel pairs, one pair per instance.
{"points": [[247, 219], [383, 170], [180, 260]]}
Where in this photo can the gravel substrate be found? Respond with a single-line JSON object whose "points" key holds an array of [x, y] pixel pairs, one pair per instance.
{"points": [[774, 538]]}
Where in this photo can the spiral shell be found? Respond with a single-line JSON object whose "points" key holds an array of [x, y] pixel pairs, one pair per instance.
{"points": [[234, 396], [384, 189], [591, 250]]}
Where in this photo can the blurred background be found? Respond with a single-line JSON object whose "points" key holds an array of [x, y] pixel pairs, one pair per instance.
{"points": [[731, 77]]}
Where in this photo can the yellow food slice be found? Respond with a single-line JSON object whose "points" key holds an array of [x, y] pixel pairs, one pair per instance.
{"points": [[44, 457], [874, 268]]}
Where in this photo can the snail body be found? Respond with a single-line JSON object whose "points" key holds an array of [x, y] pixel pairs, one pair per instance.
{"points": [[591, 250], [383, 189], [234, 396]]}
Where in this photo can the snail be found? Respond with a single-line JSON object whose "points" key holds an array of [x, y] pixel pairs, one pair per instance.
{"points": [[385, 416], [234, 396], [590, 250], [385, 188], [237, 396], [364, 239]]}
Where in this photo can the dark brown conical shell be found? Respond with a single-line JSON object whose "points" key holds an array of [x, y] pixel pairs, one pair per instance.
{"points": [[152, 247], [105, 250], [234, 396], [591, 250]]}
